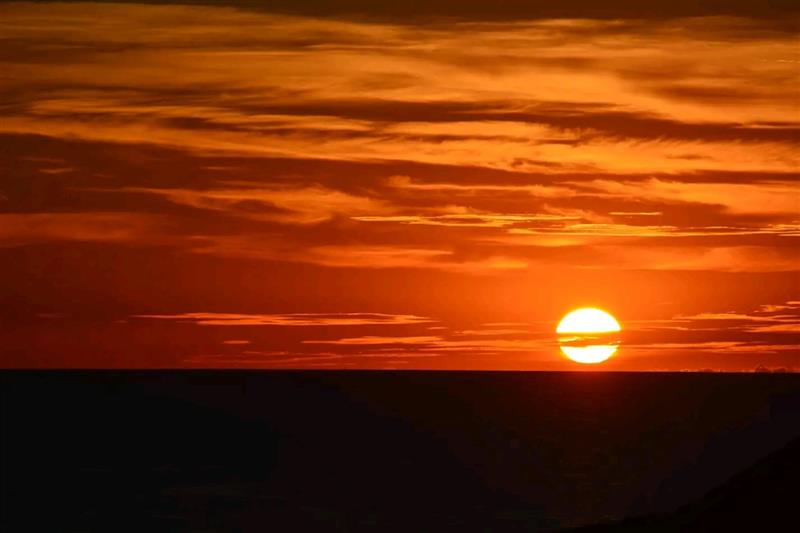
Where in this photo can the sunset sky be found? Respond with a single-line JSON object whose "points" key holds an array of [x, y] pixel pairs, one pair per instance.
{"points": [[342, 185]]}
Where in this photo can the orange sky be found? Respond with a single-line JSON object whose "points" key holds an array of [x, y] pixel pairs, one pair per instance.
{"points": [[351, 186]]}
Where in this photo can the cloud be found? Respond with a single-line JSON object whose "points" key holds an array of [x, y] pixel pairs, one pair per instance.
{"points": [[492, 138], [723, 347], [719, 259], [636, 213], [305, 205], [775, 308], [770, 318], [493, 332], [290, 319], [768, 329], [479, 94], [779, 198], [484, 220], [254, 358], [633, 256], [374, 340], [472, 189], [24, 228], [402, 257]]}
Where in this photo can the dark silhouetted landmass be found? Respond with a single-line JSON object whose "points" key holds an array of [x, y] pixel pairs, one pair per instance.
{"points": [[247, 451], [762, 498]]}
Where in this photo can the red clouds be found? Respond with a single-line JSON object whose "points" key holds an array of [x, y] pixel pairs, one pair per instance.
{"points": [[394, 167]]}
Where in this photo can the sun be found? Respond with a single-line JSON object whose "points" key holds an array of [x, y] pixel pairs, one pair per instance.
{"points": [[588, 320], [579, 328]]}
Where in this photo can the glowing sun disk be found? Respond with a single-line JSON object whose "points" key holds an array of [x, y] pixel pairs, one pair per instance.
{"points": [[581, 323], [588, 320], [589, 355]]}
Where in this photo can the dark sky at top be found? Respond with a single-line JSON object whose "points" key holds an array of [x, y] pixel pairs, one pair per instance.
{"points": [[510, 9]]}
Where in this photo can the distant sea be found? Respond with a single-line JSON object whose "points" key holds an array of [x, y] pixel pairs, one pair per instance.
{"points": [[192, 451]]}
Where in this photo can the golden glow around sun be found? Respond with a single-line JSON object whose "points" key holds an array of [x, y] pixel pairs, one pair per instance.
{"points": [[583, 325]]}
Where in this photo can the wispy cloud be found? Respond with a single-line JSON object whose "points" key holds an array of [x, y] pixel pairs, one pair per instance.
{"points": [[296, 319], [780, 198], [780, 318], [486, 220], [25, 228], [374, 340], [502, 104], [304, 205], [773, 328], [477, 111]]}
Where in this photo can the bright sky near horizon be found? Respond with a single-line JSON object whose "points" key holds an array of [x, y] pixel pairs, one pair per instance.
{"points": [[347, 186]]}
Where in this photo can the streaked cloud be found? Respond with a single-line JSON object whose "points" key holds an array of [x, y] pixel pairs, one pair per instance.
{"points": [[308, 205], [373, 340], [23, 228], [473, 189], [502, 104], [780, 318], [780, 198], [487, 220], [770, 328], [296, 319]]}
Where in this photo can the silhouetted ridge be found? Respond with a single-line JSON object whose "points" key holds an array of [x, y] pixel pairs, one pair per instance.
{"points": [[761, 498]]}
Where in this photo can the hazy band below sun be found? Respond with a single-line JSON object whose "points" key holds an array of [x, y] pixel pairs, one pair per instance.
{"points": [[582, 324]]}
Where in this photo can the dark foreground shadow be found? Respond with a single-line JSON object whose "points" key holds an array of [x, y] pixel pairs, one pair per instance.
{"points": [[762, 498], [248, 452]]}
